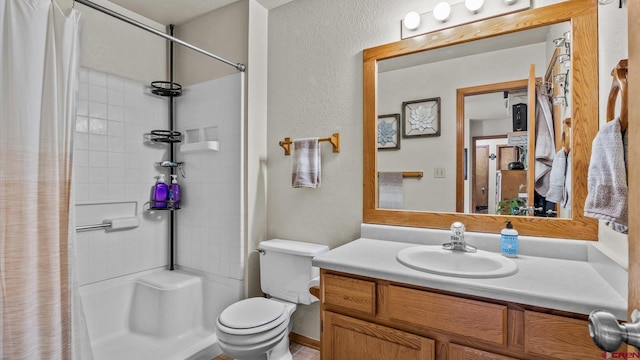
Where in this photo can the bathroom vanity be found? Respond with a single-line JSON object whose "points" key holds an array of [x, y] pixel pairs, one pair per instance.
{"points": [[372, 306]]}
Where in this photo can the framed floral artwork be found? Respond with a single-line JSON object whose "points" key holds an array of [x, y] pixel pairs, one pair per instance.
{"points": [[421, 117], [389, 132]]}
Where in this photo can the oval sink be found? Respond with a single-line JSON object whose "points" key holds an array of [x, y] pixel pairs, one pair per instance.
{"points": [[434, 259]]}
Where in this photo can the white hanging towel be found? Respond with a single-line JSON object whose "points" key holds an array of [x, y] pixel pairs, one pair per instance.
{"points": [[607, 197], [306, 163], [390, 190], [557, 179], [545, 145]]}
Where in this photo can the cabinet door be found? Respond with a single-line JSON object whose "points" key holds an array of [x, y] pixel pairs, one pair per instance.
{"points": [[348, 338], [558, 337], [458, 352]]}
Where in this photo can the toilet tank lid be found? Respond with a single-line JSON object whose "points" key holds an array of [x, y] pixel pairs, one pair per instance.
{"points": [[293, 247]]}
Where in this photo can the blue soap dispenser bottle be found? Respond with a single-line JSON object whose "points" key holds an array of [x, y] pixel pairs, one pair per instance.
{"points": [[509, 241], [174, 193], [160, 194]]}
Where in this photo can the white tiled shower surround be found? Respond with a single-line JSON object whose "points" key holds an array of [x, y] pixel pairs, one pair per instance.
{"points": [[112, 163], [209, 223]]}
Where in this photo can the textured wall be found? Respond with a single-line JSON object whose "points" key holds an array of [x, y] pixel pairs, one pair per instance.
{"points": [[613, 46], [315, 89]]}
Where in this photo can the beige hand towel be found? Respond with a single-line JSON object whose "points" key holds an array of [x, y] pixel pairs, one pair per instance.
{"points": [[607, 197], [390, 190], [557, 178], [306, 163]]}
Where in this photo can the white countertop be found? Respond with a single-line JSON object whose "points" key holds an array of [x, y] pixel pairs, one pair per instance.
{"points": [[556, 283]]}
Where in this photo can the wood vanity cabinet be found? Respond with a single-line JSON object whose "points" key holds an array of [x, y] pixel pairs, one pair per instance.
{"points": [[366, 318]]}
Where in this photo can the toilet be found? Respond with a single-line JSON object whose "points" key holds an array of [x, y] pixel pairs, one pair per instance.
{"points": [[258, 328]]}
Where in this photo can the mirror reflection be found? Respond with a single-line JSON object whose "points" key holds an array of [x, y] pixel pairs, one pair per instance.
{"points": [[500, 104]]}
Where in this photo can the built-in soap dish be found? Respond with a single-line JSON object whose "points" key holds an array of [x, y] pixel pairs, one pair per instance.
{"points": [[200, 139]]}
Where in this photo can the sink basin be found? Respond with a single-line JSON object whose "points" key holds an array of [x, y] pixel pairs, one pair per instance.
{"points": [[434, 259]]}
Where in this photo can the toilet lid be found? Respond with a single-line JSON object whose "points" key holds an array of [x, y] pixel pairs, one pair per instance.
{"points": [[250, 313]]}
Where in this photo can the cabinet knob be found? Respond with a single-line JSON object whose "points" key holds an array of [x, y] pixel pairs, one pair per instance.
{"points": [[608, 334]]}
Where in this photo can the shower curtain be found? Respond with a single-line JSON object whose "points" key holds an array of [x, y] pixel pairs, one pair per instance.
{"points": [[38, 75]]}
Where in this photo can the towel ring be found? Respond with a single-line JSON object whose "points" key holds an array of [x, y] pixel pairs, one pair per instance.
{"points": [[619, 85]]}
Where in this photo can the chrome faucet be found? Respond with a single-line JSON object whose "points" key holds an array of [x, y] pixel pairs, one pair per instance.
{"points": [[457, 239]]}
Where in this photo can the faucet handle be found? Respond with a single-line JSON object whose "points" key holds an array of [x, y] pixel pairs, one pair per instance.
{"points": [[457, 228]]}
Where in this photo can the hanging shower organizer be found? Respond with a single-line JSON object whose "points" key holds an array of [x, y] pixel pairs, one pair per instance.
{"points": [[168, 89]]}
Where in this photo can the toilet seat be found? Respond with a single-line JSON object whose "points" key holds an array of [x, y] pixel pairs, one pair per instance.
{"points": [[252, 316]]}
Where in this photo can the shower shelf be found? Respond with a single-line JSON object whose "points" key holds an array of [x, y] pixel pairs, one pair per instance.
{"points": [[164, 136], [166, 88], [200, 146], [147, 206]]}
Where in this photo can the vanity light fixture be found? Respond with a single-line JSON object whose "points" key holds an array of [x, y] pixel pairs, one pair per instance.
{"points": [[442, 11], [450, 13], [473, 5], [411, 20]]}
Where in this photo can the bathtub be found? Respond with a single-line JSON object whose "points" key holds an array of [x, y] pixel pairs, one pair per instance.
{"points": [[156, 314]]}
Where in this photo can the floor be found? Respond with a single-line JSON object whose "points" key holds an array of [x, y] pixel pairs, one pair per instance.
{"points": [[299, 352]]}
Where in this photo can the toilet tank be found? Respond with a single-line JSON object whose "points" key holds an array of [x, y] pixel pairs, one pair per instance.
{"points": [[286, 270]]}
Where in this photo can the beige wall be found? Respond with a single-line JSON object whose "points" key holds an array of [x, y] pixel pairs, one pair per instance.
{"points": [[613, 37], [115, 47], [223, 32], [256, 149], [315, 89]]}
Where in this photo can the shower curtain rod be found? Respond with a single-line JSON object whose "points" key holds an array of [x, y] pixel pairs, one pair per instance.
{"points": [[240, 67]]}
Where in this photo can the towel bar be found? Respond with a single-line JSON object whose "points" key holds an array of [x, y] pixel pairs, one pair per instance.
{"points": [[411, 174], [333, 139], [93, 227]]}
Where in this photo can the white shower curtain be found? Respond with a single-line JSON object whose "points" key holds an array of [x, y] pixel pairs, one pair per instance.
{"points": [[38, 73]]}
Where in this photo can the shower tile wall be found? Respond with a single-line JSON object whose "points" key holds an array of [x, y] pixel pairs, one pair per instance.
{"points": [[112, 163], [209, 223]]}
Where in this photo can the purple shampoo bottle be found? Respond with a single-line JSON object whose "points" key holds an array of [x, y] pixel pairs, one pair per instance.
{"points": [[160, 194], [174, 192]]}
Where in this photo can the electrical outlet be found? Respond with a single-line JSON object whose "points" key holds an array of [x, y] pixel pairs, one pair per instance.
{"points": [[438, 173]]}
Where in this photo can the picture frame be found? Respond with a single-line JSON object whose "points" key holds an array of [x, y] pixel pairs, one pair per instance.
{"points": [[421, 118], [389, 129]]}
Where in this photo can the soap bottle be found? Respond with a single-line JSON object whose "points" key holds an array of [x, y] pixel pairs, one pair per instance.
{"points": [[160, 193], [174, 192], [509, 241]]}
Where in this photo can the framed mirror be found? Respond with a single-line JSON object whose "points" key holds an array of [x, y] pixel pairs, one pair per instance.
{"points": [[507, 60]]}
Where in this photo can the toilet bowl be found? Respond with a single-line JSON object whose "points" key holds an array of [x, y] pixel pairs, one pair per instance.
{"points": [[258, 328]]}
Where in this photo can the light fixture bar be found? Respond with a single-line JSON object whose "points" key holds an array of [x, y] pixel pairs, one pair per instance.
{"points": [[460, 15]]}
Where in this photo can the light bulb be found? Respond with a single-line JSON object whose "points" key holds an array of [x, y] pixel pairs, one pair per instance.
{"points": [[473, 5], [412, 20], [442, 11]]}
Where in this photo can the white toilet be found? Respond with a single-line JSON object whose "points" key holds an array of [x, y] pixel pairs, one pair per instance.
{"points": [[258, 328]]}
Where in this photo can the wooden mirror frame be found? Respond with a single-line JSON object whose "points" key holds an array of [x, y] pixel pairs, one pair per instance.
{"points": [[582, 14]]}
